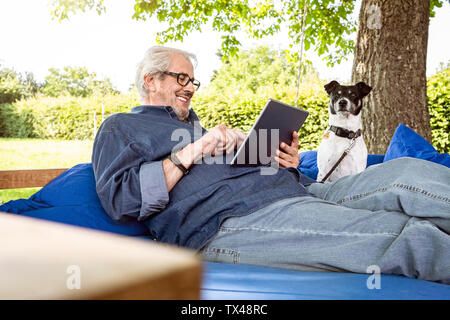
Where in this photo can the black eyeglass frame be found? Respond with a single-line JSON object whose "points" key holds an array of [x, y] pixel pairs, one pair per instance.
{"points": [[195, 82]]}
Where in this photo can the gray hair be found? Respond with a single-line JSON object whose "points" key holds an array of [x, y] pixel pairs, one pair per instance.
{"points": [[156, 60]]}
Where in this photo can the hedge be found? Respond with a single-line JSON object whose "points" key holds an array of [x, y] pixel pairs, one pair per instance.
{"points": [[66, 117], [438, 91], [72, 117]]}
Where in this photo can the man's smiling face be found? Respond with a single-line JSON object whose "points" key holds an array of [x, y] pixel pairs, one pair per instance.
{"points": [[166, 91]]}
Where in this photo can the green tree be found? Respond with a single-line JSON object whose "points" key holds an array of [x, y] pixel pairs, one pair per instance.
{"points": [[75, 81], [329, 23], [15, 86], [257, 69]]}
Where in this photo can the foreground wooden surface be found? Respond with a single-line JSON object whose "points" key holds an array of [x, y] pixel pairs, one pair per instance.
{"points": [[27, 178], [45, 260]]}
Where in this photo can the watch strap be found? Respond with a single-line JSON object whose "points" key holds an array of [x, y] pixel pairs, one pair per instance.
{"points": [[176, 161]]}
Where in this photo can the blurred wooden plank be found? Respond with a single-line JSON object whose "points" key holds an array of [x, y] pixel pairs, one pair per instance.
{"points": [[46, 260], [27, 178]]}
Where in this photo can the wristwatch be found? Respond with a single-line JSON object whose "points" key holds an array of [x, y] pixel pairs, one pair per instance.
{"points": [[176, 161]]}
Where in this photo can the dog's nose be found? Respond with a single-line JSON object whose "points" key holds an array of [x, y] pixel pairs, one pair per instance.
{"points": [[343, 103]]}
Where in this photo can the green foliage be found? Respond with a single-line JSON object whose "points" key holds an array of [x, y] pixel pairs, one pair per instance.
{"points": [[75, 81], [61, 9], [438, 92], [436, 4], [68, 117], [328, 22], [14, 86], [14, 123]]}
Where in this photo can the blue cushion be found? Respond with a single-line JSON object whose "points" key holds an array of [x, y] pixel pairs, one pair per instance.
{"points": [[71, 198], [407, 143], [308, 162], [223, 281]]}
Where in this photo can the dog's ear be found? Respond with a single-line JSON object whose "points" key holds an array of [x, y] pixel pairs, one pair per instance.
{"points": [[363, 89], [331, 86]]}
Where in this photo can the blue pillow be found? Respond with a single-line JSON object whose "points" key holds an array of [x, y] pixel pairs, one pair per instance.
{"points": [[308, 162], [71, 198], [407, 143]]}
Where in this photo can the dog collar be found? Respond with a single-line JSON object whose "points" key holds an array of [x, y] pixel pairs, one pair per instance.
{"points": [[344, 133]]}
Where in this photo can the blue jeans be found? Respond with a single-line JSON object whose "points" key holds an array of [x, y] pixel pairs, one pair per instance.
{"points": [[394, 215]]}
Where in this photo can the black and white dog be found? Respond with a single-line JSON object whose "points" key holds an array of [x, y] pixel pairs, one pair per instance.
{"points": [[344, 133]]}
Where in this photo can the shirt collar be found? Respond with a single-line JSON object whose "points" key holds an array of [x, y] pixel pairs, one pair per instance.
{"points": [[168, 110]]}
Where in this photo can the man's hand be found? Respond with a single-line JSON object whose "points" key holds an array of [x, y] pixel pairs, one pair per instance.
{"points": [[218, 140], [287, 155], [221, 139]]}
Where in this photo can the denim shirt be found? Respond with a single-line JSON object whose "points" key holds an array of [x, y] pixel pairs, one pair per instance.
{"points": [[127, 160]]}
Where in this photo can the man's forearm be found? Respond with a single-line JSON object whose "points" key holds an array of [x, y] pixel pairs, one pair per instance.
{"points": [[217, 140], [188, 155]]}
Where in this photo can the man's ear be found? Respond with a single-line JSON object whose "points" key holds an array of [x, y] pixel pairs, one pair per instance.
{"points": [[363, 89], [331, 86], [149, 81]]}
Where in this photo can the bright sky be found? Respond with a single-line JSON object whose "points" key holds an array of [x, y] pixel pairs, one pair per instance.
{"points": [[112, 44]]}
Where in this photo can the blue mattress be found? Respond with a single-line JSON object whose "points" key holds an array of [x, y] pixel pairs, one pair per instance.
{"points": [[223, 281]]}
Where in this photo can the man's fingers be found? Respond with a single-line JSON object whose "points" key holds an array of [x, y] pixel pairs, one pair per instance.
{"points": [[294, 142], [289, 160], [231, 141], [283, 155], [282, 163], [293, 148], [288, 149], [228, 139]]}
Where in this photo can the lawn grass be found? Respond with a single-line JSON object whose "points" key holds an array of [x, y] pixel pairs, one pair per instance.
{"points": [[40, 154]]}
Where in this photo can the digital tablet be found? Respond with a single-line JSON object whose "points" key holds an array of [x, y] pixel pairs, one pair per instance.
{"points": [[275, 124]]}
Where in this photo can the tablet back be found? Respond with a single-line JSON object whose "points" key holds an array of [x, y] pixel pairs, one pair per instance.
{"points": [[274, 125]]}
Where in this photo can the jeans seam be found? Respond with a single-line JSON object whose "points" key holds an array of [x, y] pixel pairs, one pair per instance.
{"points": [[395, 185], [221, 251], [328, 233]]}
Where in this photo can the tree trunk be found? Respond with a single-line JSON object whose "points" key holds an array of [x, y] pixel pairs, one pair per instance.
{"points": [[390, 56]]}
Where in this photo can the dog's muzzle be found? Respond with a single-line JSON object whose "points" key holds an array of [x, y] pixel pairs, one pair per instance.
{"points": [[342, 105]]}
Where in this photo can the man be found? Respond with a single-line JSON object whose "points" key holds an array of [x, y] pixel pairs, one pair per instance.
{"points": [[395, 215]]}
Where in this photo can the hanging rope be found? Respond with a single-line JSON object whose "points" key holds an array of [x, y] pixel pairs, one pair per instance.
{"points": [[301, 50]]}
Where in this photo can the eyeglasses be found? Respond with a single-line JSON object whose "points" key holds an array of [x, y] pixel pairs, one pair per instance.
{"points": [[183, 79]]}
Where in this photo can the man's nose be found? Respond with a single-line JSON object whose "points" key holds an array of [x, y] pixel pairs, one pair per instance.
{"points": [[190, 87]]}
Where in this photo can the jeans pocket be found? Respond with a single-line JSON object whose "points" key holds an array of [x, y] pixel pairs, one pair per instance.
{"points": [[220, 255]]}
